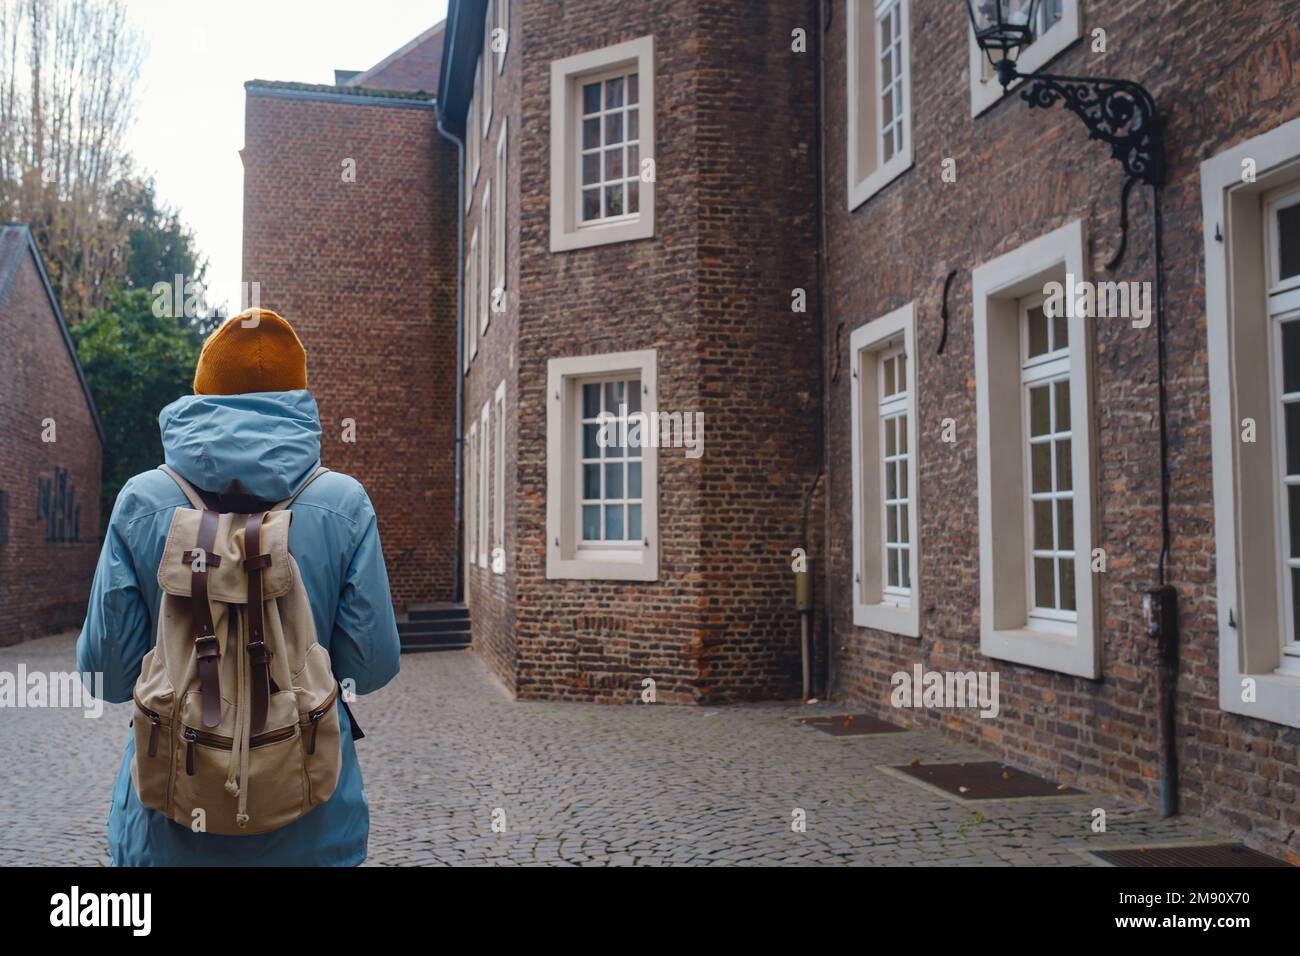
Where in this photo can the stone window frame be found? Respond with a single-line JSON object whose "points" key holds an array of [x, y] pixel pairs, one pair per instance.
{"points": [[566, 557], [499, 481], [483, 497], [567, 75], [1007, 631], [503, 22], [1246, 542], [471, 495], [486, 217], [471, 298], [866, 174], [872, 607], [499, 218], [485, 68], [986, 91]]}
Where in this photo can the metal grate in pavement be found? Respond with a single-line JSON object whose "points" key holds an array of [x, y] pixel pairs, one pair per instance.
{"points": [[1219, 854], [851, 725], [985, 780]]}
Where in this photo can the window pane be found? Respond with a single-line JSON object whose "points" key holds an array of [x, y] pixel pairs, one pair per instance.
{"points": [[590, 204], [902, 475], [886, 111], [591, 133], [1064, 477], [614, 93], [1293, 507], [887, 66], [590, 401], [891, 523], [614, 163], [1288, 242], [1063, 406], [633, 124], [891, 447], [590, 169], [891, 483], [1044, 583], [891, 577], [634, 522], [1295, 604], [1065, 524], [614, 480], [1042, 526], [902, 372], [885, 24], [591, 481], [902, 434], [634, 479], [633, 93], [1067, 584], [1040, 410], [905, 567], [633, 199], [613, 396], [903, 529], [591, 522], [1040, 461], [887, 367], [613, 128], [614, 200], [1291, 356], [1037, 321], [591, 441], [1060, 332], [1293, 439], [634, 395], [590, 97], [613, 522]]}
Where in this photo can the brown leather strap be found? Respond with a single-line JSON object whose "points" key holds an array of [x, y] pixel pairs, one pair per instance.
{"points": [[258, 656], [206, 648]]}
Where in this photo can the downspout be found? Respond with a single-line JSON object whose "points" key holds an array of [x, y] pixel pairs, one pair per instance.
{"points": [[806, 613], [457, 555]]}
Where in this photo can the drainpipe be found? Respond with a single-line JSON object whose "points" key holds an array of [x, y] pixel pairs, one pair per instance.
{"points": [[820, 13], [457, 554]]}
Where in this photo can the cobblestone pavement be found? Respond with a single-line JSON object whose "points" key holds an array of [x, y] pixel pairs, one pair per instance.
{"points": [[587, 784]]}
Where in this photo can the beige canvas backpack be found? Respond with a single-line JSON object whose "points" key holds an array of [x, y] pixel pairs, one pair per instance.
{"points": [[236, 724]]}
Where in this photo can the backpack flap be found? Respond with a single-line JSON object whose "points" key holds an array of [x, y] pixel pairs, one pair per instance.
{"points": [[227, 579]]}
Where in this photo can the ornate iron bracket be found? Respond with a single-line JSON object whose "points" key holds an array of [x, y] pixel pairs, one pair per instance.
{"points": [[1118, 112]]}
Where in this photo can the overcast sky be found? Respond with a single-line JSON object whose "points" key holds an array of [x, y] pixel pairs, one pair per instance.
{"points": [[189, 124]]}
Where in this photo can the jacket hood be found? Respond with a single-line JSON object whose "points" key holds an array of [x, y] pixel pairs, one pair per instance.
{"points": [[270, 441]]}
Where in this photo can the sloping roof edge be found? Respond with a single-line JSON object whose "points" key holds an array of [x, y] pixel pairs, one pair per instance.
{"points": [[461, 47], [6, 280], [397, 54]]}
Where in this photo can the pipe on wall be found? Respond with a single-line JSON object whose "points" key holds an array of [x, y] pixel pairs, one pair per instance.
{"points": [[457, 554]]}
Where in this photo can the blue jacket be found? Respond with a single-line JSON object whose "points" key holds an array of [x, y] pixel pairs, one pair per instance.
{"points": [[270, 441]]}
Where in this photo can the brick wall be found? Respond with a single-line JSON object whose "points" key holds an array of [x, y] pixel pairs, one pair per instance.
{"points": [[1022, 173], [365, 271], [43, 585], [711, 293]]}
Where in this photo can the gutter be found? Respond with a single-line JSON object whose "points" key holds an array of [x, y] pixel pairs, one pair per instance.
{"points": [[458, 557]]}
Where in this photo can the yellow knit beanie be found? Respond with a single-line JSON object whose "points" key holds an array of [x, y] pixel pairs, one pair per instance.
{"points": [[255, 351]]}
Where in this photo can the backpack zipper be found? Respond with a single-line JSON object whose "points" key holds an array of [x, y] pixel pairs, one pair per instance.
{"points": [[220, 742], [154, 722], [315, 717]]}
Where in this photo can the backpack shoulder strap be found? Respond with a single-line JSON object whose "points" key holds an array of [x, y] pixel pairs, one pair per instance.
{"points": [[185, 486], [284, 505]]}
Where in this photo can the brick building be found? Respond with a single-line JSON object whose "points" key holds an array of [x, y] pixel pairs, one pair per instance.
{"points": [[825, 228], [53, 443]]}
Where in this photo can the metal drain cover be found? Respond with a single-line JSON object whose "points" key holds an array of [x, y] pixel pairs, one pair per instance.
{"points": [[851, 725], [1220, 854], [988, 780]]}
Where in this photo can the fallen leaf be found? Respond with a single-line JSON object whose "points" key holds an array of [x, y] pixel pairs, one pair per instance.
{"points": [[916, 763], [963, 789], [1005, 775]]}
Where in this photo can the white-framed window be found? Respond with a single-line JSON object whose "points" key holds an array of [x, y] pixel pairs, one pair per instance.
{"points": [[602, 146], [1058, 23], [1048, 480], [471, 495], [483, 496], [879, 77], [499, 478], [1037, 480], [472, 143], [503, 24], [1252, 292], [499, 219], [886, 583], [471, 298], [488, 219], [486, 64], [602, 468]]}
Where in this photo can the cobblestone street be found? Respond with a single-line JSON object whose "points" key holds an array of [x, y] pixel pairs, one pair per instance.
{"points": [[587, 784]]}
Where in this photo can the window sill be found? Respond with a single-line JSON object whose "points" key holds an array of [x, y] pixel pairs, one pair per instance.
{"points": [[584, 237], [901, 619], [606, 568], [879, 179], [1277, 698], [1054, 650]]}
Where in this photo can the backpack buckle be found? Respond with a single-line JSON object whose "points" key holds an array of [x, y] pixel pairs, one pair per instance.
{"points": [[206, 647]]}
